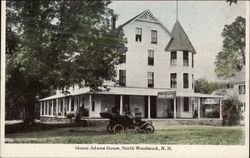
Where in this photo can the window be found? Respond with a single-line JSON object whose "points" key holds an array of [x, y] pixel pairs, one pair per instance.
{"points": [[122, 58], [230, 86], [243, 106], [122, 77], [192, 81], [72, 104], [242, 89], [150, 79], [150, 57], [173, 82], [192, 60], [186, 104], [185, 58], [138, 34], [153, 36], [185, 80], [173, 59]]}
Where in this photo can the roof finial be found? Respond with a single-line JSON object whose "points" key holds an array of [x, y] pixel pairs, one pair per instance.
{"points": [[176, 10]]}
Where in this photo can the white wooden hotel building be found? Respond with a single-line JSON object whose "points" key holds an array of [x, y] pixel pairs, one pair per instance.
{"points": [[156, 78]]}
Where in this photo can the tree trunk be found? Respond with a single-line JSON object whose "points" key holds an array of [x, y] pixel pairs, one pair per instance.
{"points": [[29, 111]]}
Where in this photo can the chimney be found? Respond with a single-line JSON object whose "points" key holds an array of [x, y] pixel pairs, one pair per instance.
{"points": [[113, 20]]}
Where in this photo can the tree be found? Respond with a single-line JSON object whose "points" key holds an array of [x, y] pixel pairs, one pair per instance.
{"points": [[204, 86], [231, 111], [231, 58], [232, 1], [58, 44]]}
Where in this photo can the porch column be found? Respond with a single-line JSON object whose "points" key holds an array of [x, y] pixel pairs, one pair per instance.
{"points": [[149, 108], [80, 101], [77, 103], [175, 108], [57, 107], [41, 108], [69, 104], [121, 104], [90, 104], [48, 107], [52, 107], [199, 109], [220, 108], [63, 106], [44, 104]]}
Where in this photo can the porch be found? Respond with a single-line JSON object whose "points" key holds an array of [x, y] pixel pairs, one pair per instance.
{"points": [[149, 103]]}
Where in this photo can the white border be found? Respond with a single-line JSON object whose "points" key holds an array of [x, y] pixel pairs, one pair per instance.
{"points": [[61, 150]]}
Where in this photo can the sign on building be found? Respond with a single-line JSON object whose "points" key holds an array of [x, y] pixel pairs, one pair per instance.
{"points": [[167, 95]]}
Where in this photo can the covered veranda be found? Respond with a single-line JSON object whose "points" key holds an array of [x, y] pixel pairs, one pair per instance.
{"points": [[152, 103]]}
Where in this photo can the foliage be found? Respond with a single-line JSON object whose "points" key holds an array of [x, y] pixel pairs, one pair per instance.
{"points": [[232, 1], [204, 86], [168, 135], [58, 44], [70, 115], [231, 111], [232, 57]]}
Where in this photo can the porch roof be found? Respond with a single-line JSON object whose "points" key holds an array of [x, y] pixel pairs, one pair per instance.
{"points": [[135, 91], [131, 91]]}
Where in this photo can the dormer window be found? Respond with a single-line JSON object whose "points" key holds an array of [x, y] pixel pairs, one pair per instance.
{"points": [[138, 34], [153, 36]]}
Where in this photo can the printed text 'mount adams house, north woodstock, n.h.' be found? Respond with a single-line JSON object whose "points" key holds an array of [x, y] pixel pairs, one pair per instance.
{"points": [[156, 78]]}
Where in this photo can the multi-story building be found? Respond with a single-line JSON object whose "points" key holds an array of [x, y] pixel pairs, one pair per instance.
{"points": [[155, 77]]}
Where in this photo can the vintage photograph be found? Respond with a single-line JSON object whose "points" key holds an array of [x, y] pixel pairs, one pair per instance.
{"points": [[125, 73]]}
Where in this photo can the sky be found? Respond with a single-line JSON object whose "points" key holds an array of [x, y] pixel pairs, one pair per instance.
{"points": [[203, 22]]}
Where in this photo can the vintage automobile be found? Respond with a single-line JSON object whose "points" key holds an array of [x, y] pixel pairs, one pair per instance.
{"points": [[121, 123]]}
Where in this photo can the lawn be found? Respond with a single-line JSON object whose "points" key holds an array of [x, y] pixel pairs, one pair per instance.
{"points": [[171, 135]]}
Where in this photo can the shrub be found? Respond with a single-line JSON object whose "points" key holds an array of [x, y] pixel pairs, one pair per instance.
{"points": [[78, 118], [70, 115], [231, 112]]}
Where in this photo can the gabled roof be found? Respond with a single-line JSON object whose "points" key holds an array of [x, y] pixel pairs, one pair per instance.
{"points": [[148, 17], [180, 40]]}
